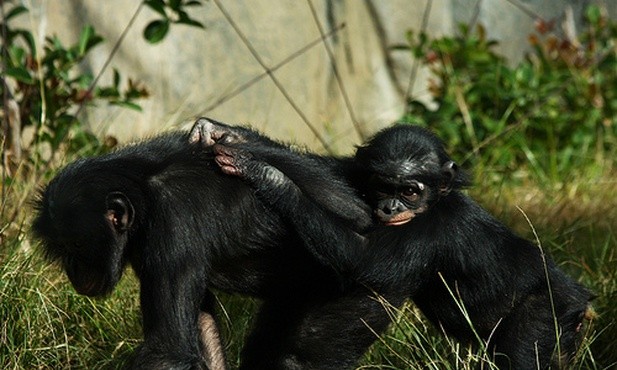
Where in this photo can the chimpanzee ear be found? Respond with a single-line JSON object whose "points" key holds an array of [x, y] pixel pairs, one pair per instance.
{"points": [[120, 211], [449, 172]]}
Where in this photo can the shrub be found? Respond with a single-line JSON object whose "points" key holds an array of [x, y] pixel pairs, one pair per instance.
{"points": [[555, 110]]}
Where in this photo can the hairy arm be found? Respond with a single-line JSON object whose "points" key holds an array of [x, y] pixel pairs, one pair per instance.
{"points": [[303, 188], [319, 178], [329, 236]]}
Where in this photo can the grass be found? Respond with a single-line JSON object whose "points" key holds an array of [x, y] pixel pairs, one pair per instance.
{"points": [[46, 325]]}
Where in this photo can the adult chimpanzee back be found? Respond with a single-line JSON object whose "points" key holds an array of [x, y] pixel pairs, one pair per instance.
{"points": [[468, 273], [164, 208]]}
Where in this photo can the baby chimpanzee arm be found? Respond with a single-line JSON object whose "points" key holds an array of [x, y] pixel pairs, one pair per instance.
{"points": [[306, 190]]}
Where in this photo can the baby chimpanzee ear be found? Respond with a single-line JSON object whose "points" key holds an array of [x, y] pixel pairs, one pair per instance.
{"points": [[120, 211], [449, 172]]}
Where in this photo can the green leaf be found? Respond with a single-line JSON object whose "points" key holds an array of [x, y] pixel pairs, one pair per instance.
{"points": [[83, 80], [29, 40], [185, 19], [405, 47], [116, 78], [16, 55], [155, 31], [158, 6], [87, 40], [191, 22], [107, 92], [55, 43], [86, 33], [593, 14], [175, 4], [15, 12], [20, 74], [127, 104]]}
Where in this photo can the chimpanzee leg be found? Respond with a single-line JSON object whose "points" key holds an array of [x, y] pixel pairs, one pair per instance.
{"points": [[520, 341], [267, 344], [316, 335], [172, 300], [536, 335], [180, 353], [212, 349]]}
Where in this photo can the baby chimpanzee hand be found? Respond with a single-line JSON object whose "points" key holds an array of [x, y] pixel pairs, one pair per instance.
{"points": [[209, 132], [232, 161]]}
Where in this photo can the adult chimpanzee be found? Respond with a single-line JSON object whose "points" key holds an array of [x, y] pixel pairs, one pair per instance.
{"points": [[164, 207], [465, 270]]}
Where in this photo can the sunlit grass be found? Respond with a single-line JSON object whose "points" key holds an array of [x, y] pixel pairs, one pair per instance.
{"points": [[412, 343], [46, 325]]}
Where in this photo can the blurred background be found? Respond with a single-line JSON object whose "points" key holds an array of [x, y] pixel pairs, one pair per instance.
{"points": [[523, 93]]}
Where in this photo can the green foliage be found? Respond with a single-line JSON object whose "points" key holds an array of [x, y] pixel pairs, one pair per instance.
{"points": [[51, 89], [554, 111], [171, 11]]}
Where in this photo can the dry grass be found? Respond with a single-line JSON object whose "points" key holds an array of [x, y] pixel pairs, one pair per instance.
{"points": [[46, 325]]}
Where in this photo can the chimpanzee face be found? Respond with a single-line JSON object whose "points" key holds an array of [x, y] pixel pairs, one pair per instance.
{"points": [[395, 203], [85, 234], [408, 170], [398, 198]]}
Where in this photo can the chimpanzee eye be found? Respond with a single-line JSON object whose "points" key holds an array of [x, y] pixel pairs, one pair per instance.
{"points": [[410, 192], [413, 191]]}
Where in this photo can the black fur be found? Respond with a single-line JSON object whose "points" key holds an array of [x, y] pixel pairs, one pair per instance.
{"points": [[444, 252], [164, 208]]}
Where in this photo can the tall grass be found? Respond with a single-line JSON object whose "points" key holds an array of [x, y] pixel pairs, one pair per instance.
{"points": [[46, 325]]}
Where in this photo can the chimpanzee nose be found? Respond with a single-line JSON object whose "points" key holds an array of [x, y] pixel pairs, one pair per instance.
{"points": [[392, 207]]}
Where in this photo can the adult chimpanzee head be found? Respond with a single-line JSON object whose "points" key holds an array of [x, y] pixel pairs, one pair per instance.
{"points": [[407, 170], [83, 222]]}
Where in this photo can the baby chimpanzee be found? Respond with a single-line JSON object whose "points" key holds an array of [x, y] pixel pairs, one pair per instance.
{"points": [[466, 271]]}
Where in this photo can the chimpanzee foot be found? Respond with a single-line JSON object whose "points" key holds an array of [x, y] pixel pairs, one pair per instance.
{"points": [[232, 161], [209, 132]]}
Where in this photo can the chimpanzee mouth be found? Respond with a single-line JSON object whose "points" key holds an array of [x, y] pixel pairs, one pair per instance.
{"points": [[86, 282], [399, 219], [89, 289]]}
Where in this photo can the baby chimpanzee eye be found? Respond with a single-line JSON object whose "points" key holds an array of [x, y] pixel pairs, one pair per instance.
{"points": [[413, 191], [410, 191]]}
